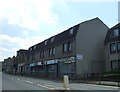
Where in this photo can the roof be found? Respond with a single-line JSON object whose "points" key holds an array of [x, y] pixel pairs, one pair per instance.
{"points": [[108, 37], [57, 39], [60, 38]]}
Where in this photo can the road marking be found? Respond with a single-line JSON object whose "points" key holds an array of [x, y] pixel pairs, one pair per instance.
{"points": [[50, 87], [12, 77], [18, 78], [29, 82]]}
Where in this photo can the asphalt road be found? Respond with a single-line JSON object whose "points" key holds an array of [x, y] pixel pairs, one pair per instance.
{"points": [[10, 82]]}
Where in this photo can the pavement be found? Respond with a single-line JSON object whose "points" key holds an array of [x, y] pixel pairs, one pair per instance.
{"points": [[22, 82]]}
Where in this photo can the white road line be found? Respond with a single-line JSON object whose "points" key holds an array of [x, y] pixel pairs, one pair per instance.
{"points": [[45, 86], [18, 78], [12, 77], [29, 82], [50, 87]]}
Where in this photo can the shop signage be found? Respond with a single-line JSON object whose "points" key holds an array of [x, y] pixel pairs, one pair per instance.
{"points": [[79, 56], [51, 62], [34, 64], [39, 63], [67, 60]]}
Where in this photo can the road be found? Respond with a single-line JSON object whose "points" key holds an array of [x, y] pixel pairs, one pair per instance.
{"points": [[12, 82]]}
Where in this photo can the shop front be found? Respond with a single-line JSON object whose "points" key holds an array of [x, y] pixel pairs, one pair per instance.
{"points": [[42, 69], [52, 67], [20, 68], [67, 67], [34, 68]]}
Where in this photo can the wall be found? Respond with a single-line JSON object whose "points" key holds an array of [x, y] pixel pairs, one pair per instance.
{"points": [[90, 44]]}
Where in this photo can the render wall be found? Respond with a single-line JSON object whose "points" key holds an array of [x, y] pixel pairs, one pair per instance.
{"points": [[90, 47]]}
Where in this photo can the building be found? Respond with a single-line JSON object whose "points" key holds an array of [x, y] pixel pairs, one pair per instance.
{"points": [[21, 60], [8, 65], [76, 51], [112, 48]]}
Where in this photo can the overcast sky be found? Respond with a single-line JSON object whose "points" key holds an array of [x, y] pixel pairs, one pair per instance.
{"points": [[24, 23]]}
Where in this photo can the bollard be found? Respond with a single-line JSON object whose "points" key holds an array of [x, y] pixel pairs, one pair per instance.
{"points": [[66, 82]]}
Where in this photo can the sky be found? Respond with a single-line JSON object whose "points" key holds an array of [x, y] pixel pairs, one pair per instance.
{"points": [[24, 23]]}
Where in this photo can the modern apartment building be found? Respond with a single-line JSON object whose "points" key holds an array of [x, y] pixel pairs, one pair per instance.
{"points": [[76, 51], [112, 48]]}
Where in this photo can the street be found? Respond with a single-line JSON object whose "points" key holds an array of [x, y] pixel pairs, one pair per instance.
{"points": [[15, 82], [10, 82]]}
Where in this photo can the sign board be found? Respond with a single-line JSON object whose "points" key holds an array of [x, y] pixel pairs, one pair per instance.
{"points": [[50, 62], [33, 64], [66, 60], [39, 63], [79, 56]]}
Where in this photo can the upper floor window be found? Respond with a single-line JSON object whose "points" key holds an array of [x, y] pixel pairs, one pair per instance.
{"points": [[113, 48], [118, 46], [42, 53], [52, 39], [52, 51], [71, 31], [46, 42], [69, 46], [31, 49], [35, 47], [65, 47], [115, 32]]}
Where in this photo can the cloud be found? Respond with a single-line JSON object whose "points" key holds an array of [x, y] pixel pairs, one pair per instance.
{"points": [[28, 13], [9, 44], [25, 32]]}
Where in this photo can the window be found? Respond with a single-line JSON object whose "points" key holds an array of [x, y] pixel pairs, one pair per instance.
{"points": [[113, 48], [35, 47], [115, 32], [118, 46], [114, 64], [46, 42], [52, 51], [64, 47], [42, 54], [69, 46], [52, 39], [31, 49], [71, 31]]}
